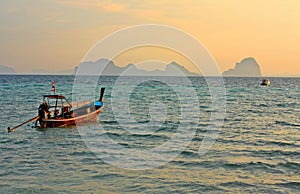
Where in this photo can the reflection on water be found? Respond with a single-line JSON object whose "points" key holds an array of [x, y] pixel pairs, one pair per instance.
{"points": [[257, 150]]}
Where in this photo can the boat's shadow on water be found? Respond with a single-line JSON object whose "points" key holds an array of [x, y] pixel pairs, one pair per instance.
{"points": [[62, 132]]}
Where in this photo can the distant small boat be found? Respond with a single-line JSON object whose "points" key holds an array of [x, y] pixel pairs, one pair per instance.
{"points": [[265, 82]]}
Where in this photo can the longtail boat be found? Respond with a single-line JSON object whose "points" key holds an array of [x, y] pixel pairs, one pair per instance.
{"points": [[57, 111]]}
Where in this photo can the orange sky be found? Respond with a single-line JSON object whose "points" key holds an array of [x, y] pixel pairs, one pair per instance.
{"points": [[56, 34]]}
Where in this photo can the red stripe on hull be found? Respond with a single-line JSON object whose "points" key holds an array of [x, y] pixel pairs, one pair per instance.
{"points": [[83, 119]]}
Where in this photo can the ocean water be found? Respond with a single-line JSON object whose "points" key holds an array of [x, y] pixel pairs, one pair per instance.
{"points": [[257, 150]]}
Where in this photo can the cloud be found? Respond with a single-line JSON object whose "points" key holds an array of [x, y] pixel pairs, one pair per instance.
{"points": [[34, 13], [12, 10], [147, 10], [140, 11], [106, 6], [113, 7]]}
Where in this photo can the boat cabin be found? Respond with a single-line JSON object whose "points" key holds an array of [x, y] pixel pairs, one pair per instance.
{"points": [[59, 106]]}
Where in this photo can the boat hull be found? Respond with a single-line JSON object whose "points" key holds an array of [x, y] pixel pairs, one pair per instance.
{"points": [[91, 117]]}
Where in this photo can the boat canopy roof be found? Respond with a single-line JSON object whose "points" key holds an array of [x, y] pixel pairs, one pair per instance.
{"points": [[58, 99], [54, 96]]}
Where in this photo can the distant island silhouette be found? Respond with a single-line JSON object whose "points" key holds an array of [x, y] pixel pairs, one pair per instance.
{"points": [[108, 67], [53, 72], [248, 67], [6, 70]]}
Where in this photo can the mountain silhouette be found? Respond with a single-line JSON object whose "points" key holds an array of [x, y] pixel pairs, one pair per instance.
{"points": [[108, 67], [6, 70], [248, 67]]}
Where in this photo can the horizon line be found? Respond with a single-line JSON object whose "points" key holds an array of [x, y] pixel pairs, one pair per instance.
{"points": [[49, 74]]}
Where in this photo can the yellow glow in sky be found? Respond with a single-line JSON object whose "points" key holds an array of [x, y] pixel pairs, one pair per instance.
{"points": [[56, 34]]}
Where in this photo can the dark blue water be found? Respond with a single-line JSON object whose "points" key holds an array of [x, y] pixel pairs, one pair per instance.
{"points": [[257, 149]]}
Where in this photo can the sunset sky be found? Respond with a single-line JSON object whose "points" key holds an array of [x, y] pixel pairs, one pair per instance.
{"points": [[55, 35]]}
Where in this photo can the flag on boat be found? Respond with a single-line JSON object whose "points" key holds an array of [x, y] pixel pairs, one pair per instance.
{"points": [[53, 87]]}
